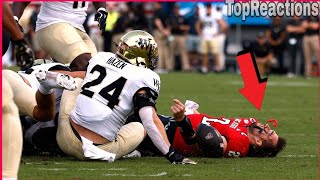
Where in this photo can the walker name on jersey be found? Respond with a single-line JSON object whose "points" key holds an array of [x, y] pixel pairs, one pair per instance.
{"points": [[116, 63]]}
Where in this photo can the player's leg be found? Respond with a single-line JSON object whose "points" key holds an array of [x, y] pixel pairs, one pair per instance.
{"points": [[182, 39], [81, 61], [24, 95], [127, 140], [215, 52], [161, 45], [65, 45], [38, 104], [315, 48], [11, 134], [221, 39], [86, 39], [307, 55], [205, 56], [66, 138], [45, 97]]}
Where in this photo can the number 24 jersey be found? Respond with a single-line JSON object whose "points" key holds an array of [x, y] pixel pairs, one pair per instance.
{"points": [[106, 97]]}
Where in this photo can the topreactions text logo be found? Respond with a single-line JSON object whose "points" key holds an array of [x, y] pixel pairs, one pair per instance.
{"points": [[254, 8]]}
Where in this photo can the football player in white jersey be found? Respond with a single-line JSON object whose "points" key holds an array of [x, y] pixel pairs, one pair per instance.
{"points": [[11, 127], [20, 95], [60, 31], [115, 86], [208, 27]]}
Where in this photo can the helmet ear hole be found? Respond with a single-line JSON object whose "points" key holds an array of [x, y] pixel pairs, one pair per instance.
{"points": [[138, 48]]}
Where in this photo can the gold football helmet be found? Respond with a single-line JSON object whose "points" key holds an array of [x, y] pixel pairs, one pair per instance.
{"points": [[138, 48]]}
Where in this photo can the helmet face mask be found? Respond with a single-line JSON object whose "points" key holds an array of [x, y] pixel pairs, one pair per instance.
{"points": [[139, 48]]}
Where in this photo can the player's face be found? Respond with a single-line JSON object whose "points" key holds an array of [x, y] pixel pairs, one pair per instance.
{"points": [[268, 136]]}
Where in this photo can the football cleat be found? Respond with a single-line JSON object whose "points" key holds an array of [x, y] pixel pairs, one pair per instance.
{"points": [[51, 80], [185, 161], [133, 154]]}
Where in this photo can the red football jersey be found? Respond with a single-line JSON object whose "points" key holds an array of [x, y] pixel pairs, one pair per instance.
{"points": [[233, 129]]}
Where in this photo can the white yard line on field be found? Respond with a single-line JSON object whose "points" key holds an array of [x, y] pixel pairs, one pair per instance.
{"points": [[95, 169], [298, 156], [141, 175], [53, 169]]}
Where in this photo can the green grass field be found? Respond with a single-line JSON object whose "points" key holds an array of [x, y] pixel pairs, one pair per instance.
{"points": [[293, 102]]}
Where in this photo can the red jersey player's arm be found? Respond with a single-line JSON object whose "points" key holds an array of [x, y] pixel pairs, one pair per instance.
{"points": [[238, 144]]}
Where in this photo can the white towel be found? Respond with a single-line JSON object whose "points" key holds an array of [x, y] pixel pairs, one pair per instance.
{"points": [[190, 106], [93, 152]]}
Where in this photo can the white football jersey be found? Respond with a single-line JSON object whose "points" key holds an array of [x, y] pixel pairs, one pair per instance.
{"points": [[210, 24], [106, 99], [73, 13]]}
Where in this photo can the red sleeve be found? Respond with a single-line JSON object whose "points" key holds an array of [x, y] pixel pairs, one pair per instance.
{"points": [[178, 141], [238, 143]]}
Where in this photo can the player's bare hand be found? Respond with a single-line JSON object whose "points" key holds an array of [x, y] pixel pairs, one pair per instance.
{"points": [[178, 110]]}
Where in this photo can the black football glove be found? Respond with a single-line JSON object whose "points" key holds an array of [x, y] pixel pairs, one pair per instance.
{"points": [[101, 17], [24, 54], [176, 158]]}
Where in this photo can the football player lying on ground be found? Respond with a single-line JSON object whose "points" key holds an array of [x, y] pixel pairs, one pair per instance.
{"points": [[92, 122], [35, 117], [198, 134]]}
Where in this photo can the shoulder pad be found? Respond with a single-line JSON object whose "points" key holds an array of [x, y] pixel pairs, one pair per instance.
{"points": [[153, 82]]}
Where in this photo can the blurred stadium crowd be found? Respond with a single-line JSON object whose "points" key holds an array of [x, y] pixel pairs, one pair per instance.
{"points": [[283, 45]]}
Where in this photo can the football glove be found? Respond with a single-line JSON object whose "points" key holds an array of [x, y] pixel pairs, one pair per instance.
{"points": [[101, 16], [176, 158], [24, 54]]}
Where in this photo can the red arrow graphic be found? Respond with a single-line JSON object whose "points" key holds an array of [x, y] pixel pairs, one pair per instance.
{"points": [[254, 86]]}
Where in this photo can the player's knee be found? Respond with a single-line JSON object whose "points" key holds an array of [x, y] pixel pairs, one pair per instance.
{"points": [[139, 131], [80, 62], [7, 73]]}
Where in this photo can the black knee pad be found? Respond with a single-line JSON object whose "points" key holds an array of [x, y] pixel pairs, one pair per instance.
{"points": [[210, 141]]}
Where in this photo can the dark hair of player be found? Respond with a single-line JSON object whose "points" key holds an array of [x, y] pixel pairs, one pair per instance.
{"points": [[268, 151]]}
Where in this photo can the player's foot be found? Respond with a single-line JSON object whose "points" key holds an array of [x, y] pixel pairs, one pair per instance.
{"points": [[133, 154], [186, 161], [204, 70], [51, 80]]}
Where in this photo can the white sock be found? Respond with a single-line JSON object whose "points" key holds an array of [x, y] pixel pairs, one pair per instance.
{"points": [[45, 90]]}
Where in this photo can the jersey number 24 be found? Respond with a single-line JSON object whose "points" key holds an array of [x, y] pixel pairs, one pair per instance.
{"points": [[117, 86]]}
